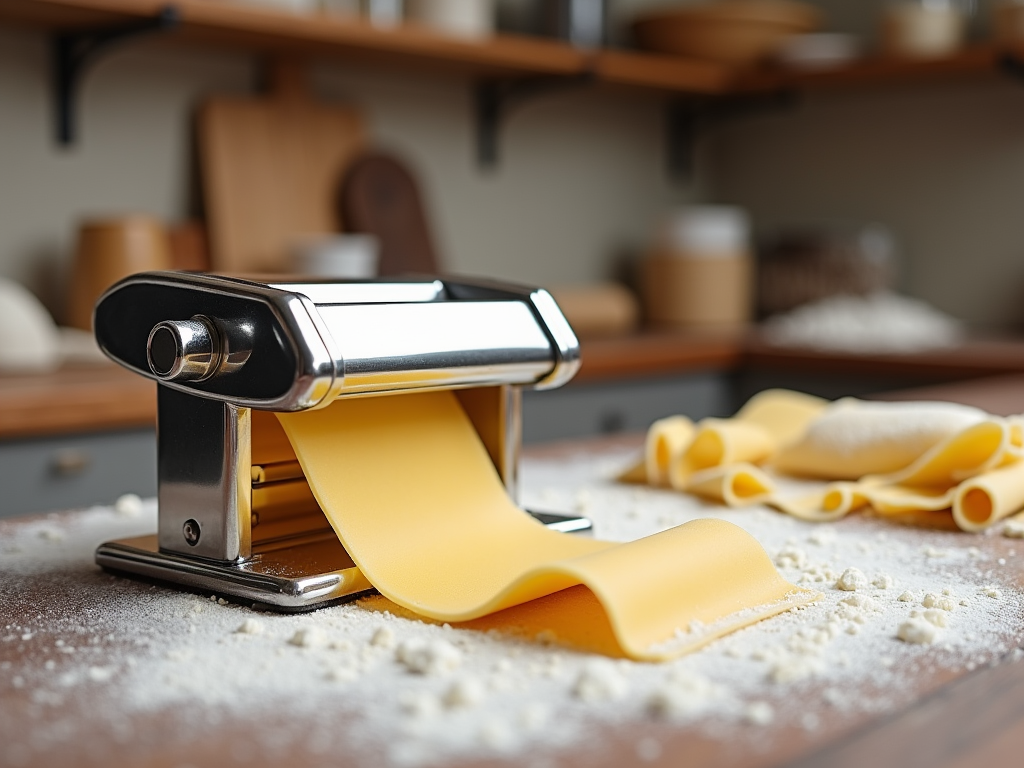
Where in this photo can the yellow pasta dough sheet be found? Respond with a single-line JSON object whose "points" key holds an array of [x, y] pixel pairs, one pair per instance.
{"points": [[411, 492], [906, 461]]}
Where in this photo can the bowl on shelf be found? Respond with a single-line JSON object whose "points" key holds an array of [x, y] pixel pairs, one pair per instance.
{"points": [[735, 32]]}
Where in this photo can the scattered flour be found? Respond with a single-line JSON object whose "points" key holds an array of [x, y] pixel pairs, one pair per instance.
{"points": [[465, 692], [128, 505], [250, 626], [852, 579], [791, 557], [428, 657], [882, 581], [599, 680], [918, 630], [384, 637], [683, 695], [404, 693], [307, 637], [942, 602], [759, 713], [1014, 529], [937, 617]]}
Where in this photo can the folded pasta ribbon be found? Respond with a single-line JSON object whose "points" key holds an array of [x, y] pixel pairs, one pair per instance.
{"points": [[898, 458]]}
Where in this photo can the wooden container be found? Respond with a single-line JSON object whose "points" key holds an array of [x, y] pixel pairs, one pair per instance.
{"points": [[703, 292], [737, 32], [109, 249], [462, 18], [915, 30]]}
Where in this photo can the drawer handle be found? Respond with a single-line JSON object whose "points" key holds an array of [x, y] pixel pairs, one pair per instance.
{"points": [[69, 463]]}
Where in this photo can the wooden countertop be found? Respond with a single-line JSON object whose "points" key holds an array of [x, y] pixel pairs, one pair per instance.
{"points": [[957, 719], [656, 353], [970, 360], [75, 399], [106, 397], [661, 353]]}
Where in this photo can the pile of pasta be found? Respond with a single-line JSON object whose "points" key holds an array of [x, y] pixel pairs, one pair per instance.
{"points": [[899, 459]]}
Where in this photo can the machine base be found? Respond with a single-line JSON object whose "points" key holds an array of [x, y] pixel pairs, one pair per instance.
{"points": [[289, 576]]}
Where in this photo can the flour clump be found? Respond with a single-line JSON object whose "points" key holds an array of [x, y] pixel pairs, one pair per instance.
{"points": [[918, 630], [852, 580], [428, 657], [600, 681]]}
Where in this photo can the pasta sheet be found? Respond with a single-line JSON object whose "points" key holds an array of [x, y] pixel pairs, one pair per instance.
{"points": [[416, 501]]}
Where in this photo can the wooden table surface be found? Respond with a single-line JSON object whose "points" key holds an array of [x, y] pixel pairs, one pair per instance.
{"points": [[961, 719]]}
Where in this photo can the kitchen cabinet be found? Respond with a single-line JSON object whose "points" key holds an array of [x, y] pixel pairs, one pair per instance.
{"points": [[75, 437], [588, 409], [75, 471]]}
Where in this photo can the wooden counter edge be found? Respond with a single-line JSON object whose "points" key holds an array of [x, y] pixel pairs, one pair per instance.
{"points": [[104, 397], [655, 354], [99, 398]]}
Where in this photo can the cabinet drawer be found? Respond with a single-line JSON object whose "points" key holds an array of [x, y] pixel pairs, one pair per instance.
{"points": [[585, 410], [67, 472]]}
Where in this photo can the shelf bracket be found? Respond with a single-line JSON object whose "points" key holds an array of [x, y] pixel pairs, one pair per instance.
{"points": [[688, 118], [494, 99], [1012, 66], [73, 52]]}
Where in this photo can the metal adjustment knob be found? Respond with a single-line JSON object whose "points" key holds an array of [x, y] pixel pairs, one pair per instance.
{"points": [[183, 350]]}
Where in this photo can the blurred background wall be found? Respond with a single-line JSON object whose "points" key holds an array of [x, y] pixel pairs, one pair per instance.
{"points": [[582, 176]]}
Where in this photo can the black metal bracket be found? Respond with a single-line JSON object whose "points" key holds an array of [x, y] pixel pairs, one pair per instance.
{"points": [[688, 118], [1012, 66], [494, 99], [73, 52]]}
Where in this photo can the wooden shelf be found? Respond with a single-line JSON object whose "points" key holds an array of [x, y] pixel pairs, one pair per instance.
{"points": [[223, 23], [226, 24], [981, 60], [664, 73]]}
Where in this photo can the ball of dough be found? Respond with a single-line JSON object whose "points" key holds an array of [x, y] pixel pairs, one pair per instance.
{"points": [[29, 340]]}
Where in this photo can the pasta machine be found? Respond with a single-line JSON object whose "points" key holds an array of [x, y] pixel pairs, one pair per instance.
{"points": [[236, 516]]}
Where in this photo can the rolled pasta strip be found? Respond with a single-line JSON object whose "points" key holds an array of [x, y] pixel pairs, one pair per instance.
{"points": [[667, 439], [783, 414], [899, 500], [972, 451], [835, 502], [1015, 443], [635, 473], [736, 485], [981, 501], [720, 442]]}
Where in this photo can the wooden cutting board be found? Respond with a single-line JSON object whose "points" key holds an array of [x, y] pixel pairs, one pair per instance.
{"points": [[271, 169], [380, 197]]}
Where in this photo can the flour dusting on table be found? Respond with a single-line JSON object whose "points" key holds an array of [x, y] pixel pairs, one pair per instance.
{"points": [[899, 605]]}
